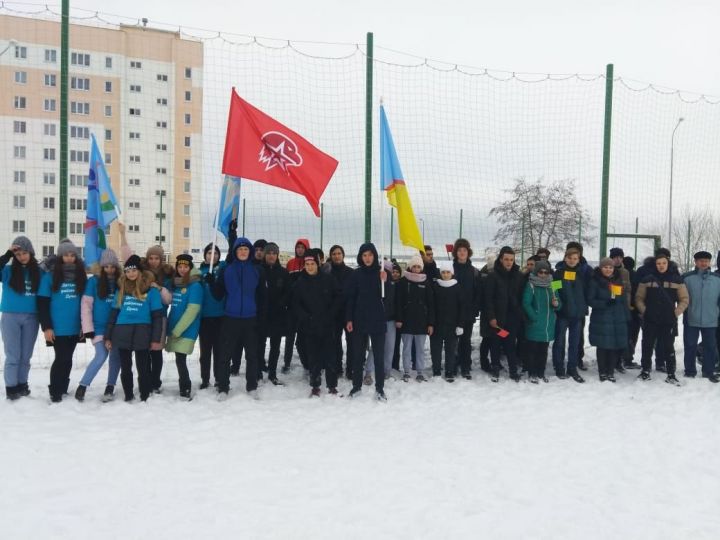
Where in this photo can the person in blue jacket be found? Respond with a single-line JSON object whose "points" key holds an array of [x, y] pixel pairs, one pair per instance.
{"points": [[184, 318], [95, 309], [211, 315], [59, 296], [20, 283], [135, 324]]}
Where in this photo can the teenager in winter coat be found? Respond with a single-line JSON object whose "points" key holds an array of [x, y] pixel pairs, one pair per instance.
{"points": [[184, 318], [278, 282], [391, 333], [341, 272], [211, 315], [503, 307], [58, 298], [609, 318], [294, 266], [316, 300], [634, 325], [661, 298], [570, 320], [135, 324], [96, 305], [20, 284], [415, 315], [449, 309], [701, 317], [365, 317], [430, 267], [244, 286], [468, 278], [540, 304]]}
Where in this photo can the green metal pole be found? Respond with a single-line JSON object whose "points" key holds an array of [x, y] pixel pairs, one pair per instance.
{"points": [[368, 135], [580, 231], [606, 160], [522, 243], [64, 54], [162, 192], [322, 216], [461, 220], [687, 252], [392, 230], [637, 228], [243, 225]]}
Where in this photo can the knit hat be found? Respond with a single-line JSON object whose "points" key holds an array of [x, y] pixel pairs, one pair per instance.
{"points": [[446, 266], [66, 247], [629, 263], [155, 250], [702, 255], [616, 252], [606, 261], [272, 247], [133, 262], [662, 252], [24, 243], [542, 265], [397, 267], [184, 257], [261, 244], [415, 260], [311, 255], [209, 247], [109, 258]]}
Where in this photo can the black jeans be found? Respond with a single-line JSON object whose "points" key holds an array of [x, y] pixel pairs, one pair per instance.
{"points": [[209, 342], [62, 365], [464, 348], [507, 344], [142, 361], [233, 331], [274, 355], [337, 338], [156, 366], [537, 353], [183, 374], [320, 350], [485, 354], [607, 359], [662, 339], [449, 342], [377, 341]]}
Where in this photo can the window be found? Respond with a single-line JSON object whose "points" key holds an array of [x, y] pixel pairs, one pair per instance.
{"points": [[188, 73], [49, 105], [80, 107], [187, 141], [161, 124], [187, 164], [186, 210], [134, 228], [49, 203], [108, 134], [79, 83], [135, 135], [80, 156], [108, 86], [186, 232], [21, 77], [162, 77], [19, 152], [79, 132], [160, 238], [18, 201], [20, 102], [49, 179], [135, 205], [161, 147], [20, 51], [18, 226], [134, 64], [48, 250], [19, 177], [186, 187], [188, 95], [50, 130], [188, 119], [108, 62], [158, 215], [76, 228], [50, 79], [108, 110], [134, 112], [161, 101], [49, 227], [134, 182], [161, 170], [78, 204], [80, 59], [108, 158], [19, 126], [79, 180], [49, 154], [134, 159], [135, 88], [51, 56]]}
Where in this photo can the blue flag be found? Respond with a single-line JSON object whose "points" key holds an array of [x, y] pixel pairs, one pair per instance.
{"points": [[229, 202], [101, 206]]}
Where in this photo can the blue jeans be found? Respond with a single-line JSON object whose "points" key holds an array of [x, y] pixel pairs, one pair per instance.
{"points": [[562, 326], [19, 333], [710, 352], [390, 336], [101, 354]]}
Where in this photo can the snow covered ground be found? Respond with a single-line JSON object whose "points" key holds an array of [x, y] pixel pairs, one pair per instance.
{"points": [[464, 460]]}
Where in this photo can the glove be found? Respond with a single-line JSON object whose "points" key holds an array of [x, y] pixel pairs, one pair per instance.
{"points": [[209, 278], [233, 225], [459, 331], [89, 335]]}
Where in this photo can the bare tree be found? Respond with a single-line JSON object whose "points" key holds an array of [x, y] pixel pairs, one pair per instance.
{"points": [[538, 214], [693, 231]]}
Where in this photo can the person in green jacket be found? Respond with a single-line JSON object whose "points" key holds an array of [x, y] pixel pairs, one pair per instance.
{"points": [[184, 318], [540, 304]]}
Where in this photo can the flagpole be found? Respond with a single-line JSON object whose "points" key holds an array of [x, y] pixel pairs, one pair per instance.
{"points": [[214, 241], [382, 228]]}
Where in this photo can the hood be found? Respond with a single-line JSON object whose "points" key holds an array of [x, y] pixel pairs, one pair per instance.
{"points": [[369, 246], [242, 241], [304, 241], [499, 268]]}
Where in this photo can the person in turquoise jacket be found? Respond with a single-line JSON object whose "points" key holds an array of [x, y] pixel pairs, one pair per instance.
{"points": [[184, 317], [20, 283], [540, 304], [59, 296], [211, 314]]}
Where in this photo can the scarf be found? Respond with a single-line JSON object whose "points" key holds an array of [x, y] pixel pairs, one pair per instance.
{"points": [[415, 278], [69, 271], [446, 282], [538, 281]]}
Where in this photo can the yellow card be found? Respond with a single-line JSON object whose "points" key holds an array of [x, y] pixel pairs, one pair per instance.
{"points": [[569, 276], [617, 290]]}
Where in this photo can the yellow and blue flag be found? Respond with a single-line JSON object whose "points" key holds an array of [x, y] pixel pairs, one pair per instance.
{"points": [[101, 206]]}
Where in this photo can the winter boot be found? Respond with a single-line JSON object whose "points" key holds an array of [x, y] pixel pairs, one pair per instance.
{"points": [[204, 384], [368, 380], [355, 392], [644, 375], [23, 389], [109, 393], [380, 396], [12, 393], [315, 392], [577, 378], [80, 392]]}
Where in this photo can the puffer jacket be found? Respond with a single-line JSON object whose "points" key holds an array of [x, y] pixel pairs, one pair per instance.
{"points": [[610, 315], [703, 286], [662, 298], [363, 298], [540, 313]]}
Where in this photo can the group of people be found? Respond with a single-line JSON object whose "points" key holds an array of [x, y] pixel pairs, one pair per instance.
{"points": [[385, 315]]}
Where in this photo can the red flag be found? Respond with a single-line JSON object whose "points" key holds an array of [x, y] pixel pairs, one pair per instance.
{"points": [[258, 147]]}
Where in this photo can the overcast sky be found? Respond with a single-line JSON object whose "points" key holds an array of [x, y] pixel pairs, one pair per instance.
{"points": [[666, 42]]}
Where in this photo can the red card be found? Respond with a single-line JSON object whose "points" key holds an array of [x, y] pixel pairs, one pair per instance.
{"points": [[503, 333]]}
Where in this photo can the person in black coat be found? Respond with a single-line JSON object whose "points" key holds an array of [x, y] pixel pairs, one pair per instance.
{"points": [[449, 307], [316, 300], [365, 317], [278, 293], [504, 312], [468, 278], [341, 272], [430, 267]]}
